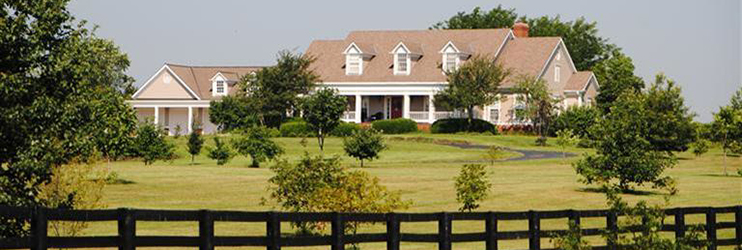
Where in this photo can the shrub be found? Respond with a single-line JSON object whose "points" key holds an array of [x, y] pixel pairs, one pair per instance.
{"points": [[345, 129], [577, 119], [151, 144], [296, 129], [73, 186], [395, 126], [455, 125], [256, 143], [220, 152]]}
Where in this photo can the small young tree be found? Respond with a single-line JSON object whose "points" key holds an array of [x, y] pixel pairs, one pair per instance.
{"points": [[364, 144], [700, 146], [472, 186], [256, 143], [322, 111], [726, 129], [178, 130], [151, 143], [539, 106], [221, 152], [195, 142], [565, 138], [495, 153], [475, 83]]}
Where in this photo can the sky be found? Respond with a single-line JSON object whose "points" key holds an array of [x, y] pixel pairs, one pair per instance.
{"points": [[695, 43]]}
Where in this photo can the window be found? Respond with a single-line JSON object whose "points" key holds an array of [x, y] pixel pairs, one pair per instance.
{"points": [[558, 55], [220, 88], [557, 73], [401, 64], [353, 64], [494, 115], [450, 61]]}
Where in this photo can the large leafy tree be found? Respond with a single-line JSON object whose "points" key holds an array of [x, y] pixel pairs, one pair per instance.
{"points": [[276, 90], [615, 75], [62, 90], [475, 83], [322, 111], [234, 112], [673, 128], [581, 37], [539, 106], [624, 153]]}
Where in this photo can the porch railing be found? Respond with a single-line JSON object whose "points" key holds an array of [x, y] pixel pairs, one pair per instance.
{"points": [[419, 115], [349, 115]]}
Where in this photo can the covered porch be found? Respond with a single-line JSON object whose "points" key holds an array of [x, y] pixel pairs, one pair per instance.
{"points": [[368, 108], [172, 114]]}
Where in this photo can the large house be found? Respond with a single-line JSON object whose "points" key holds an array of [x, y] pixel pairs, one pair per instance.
{"points": [[386, 75]]}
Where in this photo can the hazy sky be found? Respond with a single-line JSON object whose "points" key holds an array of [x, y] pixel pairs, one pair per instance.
{"points": [[696, 43]]}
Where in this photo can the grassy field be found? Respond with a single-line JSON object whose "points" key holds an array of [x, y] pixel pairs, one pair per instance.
{"points": [[422, 171]]}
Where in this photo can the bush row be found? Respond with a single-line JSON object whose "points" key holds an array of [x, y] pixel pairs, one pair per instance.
{"points": [[299, 128], [395, 126], [456, 125]]}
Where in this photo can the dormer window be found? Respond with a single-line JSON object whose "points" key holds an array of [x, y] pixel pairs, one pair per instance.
{"points": [[220, 88], [219, 85], [355, 53], [353, 64], [401, 60], [451, 57]]}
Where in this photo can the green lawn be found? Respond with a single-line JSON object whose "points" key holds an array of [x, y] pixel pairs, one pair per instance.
{"points": [[423, 172]]}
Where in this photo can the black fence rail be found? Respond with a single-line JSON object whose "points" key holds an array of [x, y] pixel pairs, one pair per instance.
{"points": [[273, 240]]}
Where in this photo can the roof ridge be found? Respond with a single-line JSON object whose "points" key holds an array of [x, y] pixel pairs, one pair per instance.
{"points": [[430, 30], [217, 66]]}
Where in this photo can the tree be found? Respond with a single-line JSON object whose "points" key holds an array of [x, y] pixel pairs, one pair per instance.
{"points": [[475, 83], [616, 76], [495, 153], [726, 129], [700, 146], [256, 143], [673, 128], [579, 119], [624, 153], [539, 106], [364, 144], [195, 142], [275, 90], [566, 138], [322, 111], [60, 88], [234, 112], [221, 152], [736, 101], [472, 186], [581, 37], [151, 143]]}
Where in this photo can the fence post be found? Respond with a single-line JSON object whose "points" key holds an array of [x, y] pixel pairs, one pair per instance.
{"points": [[679, 223], [338, 229], [206, 230], [738, 224], [444, 231], [39, 227], [273, 231], [574, 216], [127, 229], [610, 222], [711, 228], [534, 228], [392, 231], [491, 228]]}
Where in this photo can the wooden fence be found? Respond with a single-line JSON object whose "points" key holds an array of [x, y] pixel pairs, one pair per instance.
{"points": [[273, 240]]}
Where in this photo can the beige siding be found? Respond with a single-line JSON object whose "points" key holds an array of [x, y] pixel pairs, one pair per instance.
{"points": [[160, 88], [144, 113], [571, 101], [591, 92], [206, 125], [565, 69]]}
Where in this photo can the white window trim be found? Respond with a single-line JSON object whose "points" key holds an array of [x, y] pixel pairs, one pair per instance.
{"points": [[214, 88], [557, 73], [408, 62], [360, 64], [559, 55], [444, 59]]}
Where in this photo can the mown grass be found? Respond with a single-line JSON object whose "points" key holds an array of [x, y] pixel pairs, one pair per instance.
{"points": [[423, 172]]}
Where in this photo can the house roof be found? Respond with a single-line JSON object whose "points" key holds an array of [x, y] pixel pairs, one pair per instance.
{"points": [[428, 43], [578, 81], [198, 78], [526, 55]]}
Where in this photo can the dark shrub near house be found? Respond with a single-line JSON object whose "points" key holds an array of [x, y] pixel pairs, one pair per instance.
{"points": [[577, 119], [455, 125], [395, 126], [345, 129], [296, 129]]}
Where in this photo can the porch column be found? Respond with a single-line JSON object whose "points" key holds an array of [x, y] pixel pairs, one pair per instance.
{"points": [[431, 109], [406, 107], [190, 119], [358, 109], [157, 115]]}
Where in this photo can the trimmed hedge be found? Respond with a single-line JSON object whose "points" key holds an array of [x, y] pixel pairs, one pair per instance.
{"points": [[296, 129], [455, 125], [345, 129], [395, 126], [299, 128]]}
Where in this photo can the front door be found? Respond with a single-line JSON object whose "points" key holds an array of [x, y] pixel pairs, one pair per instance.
{"points": [[396, 103]]}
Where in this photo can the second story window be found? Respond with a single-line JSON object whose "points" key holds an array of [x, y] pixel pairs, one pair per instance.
{"points": [[353, 64], [221, 89], [451, 61], [401, 65], [557, 73]]}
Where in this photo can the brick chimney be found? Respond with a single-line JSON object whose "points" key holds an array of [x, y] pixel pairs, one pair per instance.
{"points": [[520, 29]]}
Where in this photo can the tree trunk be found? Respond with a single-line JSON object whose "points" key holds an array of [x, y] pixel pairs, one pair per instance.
{"points": [[321, 141], [470, 112], [255, 163], [724, 149], [193, 157], [361, 163]]}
